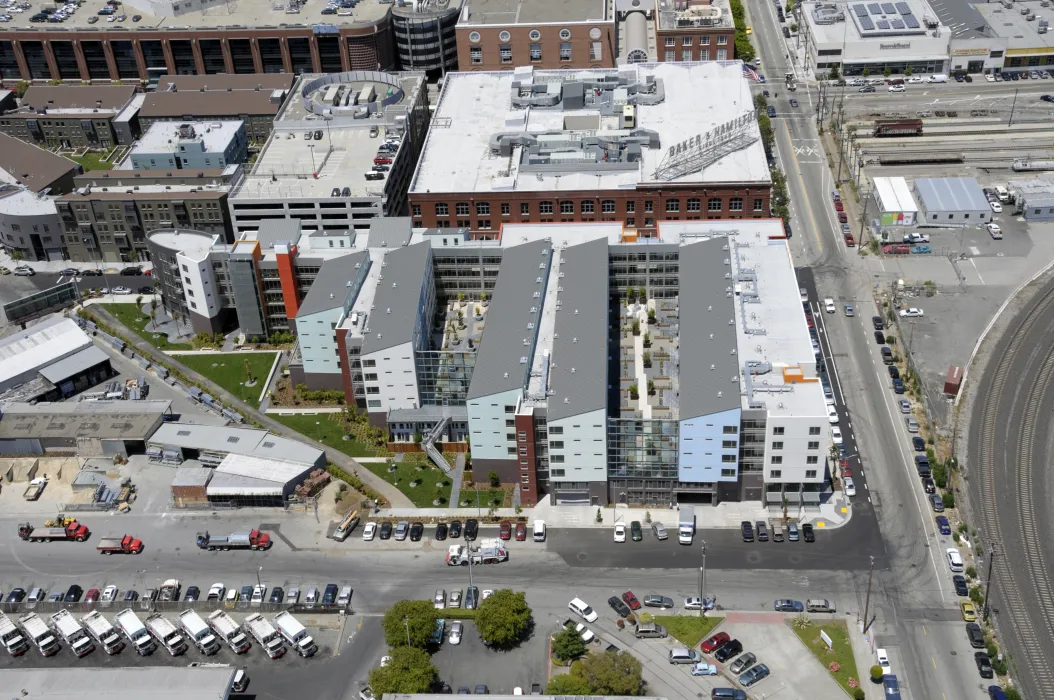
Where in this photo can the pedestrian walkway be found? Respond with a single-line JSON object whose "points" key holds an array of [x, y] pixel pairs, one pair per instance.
{"points": [[458, 476], [286, 411]]}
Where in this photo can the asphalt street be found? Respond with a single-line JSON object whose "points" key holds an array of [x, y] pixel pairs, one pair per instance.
{"points": [[911, 588], [1009, 453]]}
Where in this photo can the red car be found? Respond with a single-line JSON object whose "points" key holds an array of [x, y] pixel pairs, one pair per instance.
{"points": [[521, 532], [92, 596], [843, 465], [631, 600], [842, 218], [382, 160], [838, 206], [849, 240], [506, 530], [714, 643]]}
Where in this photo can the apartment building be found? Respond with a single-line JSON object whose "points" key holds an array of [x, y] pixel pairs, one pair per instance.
{"points": [[110, 212], [335, 167], [256, 108], [69, 116], [696, 30], [191, 146], [679, 143], [494, 35]]}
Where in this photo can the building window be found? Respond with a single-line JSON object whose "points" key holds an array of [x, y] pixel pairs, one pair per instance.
{"points": [[505, 51], [722, 40], [686, 54], [567, 207], [484, 223], [731, 430], [757, 204], [442, 210], [504, 208], [525, 209], [704, 41], [588, 206], [461, 208], [728, 459], [722, 54], [812, 459], [728, 472], [777, 430], [669, 56], [693, 204], [482, 208], [810, 473], [536, 52], [417, 210], [596, 51], [565, 51], [556, 430], [607, 206], [713, 204], [510, 409], [475, 55], [777, 445], [631, 206], [630, 221], [814, 430], [775, 473], [735, 204], [556, 459], [704, 54], [671, 41], [545, 207], [649, 206], [814, 445], [673, 205], [777, 459], [728, 444], [686, 41]]}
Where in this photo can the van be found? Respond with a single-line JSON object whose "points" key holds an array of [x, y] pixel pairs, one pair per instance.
{"points": [[938, 78], [579, 607], [650, 630], [539, 531], [684, 656], [727, 694], [820, 605], [344, 599], [1002, 194], [887, 355]]}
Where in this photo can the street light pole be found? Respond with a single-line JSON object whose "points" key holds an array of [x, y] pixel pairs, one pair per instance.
{"points": [[988, 581], [258, 576], [318, 430], [702, 581], [867, 601]]}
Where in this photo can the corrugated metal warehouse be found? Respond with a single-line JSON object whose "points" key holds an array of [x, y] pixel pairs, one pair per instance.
{"points": [[189, 486], [50, 361], [87, 428], [256, 481], [210, 444], [952, 201]]}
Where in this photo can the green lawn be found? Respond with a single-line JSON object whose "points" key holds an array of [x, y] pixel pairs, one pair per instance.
{"points": [[229, 371], [92, 161], [840, 653], [424, 493], [131, 316], [327, 429], [485, 498], [690, 630]]}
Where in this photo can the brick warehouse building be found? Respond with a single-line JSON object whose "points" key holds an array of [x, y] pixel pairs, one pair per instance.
{"points": [[637, 144]]}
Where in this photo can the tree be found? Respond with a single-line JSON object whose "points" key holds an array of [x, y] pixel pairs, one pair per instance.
{"points": [[887, 72], [833, 73], [21, 87], [867, 72], [415, 618], [566, 684], [876, 673], [760, 103], [768, 136], [568, 644], [610, 673], [503, 619], [908, 71], [409, 671], [948, 498], [494, 479]]}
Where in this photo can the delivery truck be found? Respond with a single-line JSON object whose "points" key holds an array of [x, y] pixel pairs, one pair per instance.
{"points": [[686, 526], [103, 632], [198, 632], [166, 634], [38, 632], [265, 634], [229, 631], [135, 632], [295, 634], [71, 630], [253, 539], [11, 637]]}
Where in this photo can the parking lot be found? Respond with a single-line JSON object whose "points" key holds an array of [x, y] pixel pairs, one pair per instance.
{"points": [[472, 663]]}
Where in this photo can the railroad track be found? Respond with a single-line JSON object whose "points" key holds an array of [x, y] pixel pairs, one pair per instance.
{"points": [[1032, 641]]}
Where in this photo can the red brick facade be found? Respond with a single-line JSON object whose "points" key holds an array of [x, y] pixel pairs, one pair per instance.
{"points": [[504, 47]]}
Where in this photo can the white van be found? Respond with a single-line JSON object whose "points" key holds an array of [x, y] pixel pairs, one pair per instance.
{"points": [[1001, 193], [938, 78], [579, 607], [955, 560], [539, 531]]}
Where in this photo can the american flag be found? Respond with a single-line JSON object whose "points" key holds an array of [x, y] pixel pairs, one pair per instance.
{"points": [[750, 73]]}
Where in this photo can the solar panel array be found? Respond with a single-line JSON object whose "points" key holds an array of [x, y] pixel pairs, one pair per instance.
{"points": [[911, 22], [888, 8], [903, 8], [875, 8], [883, 24], [860, 10], [896, 23], [866, 23], [885, 17]]}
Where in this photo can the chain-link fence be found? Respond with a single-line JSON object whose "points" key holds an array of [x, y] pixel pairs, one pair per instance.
{"points": [[46, 608]]}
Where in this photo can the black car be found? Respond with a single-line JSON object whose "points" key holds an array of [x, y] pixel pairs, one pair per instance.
{"points": [[136, 18], [928, 486], [1047, 98], [876, 321], [975, 634], [471, 530], [386, 530], [894, 373], [330, 596], [146, 290], [455, 529], [441, 530], [807, 533], [91, 273], [984, 664], [131, 596], [959, 581], [131, 272], [463, 690], [318, 135], [635, 532], [880, 338], [748, 531], [246, 593], [728, 650], [16, 595], [277, 595], [193, 593], [919, 444], [898, 386], [619, 606], [482, 690], [73, 594], [335, 192], [416, 531], [471, 597]]}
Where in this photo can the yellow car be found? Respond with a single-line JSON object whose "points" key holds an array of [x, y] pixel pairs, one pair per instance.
{"points": [[750, 30], [4, 270], [968, 611]]}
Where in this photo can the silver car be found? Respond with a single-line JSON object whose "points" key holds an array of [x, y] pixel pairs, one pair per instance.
{"points": [[311, 599], [743, 663], [659, 530], [292, 596], [401, 530], [913, 425]]}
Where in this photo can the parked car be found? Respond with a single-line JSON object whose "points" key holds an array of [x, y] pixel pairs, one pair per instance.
{"points": [[743, 663], [454, 530], [657, 601], [635, 532], [193, 593], [277, 595], [729, 650], [521, 532], [753, 675], [471, 529], [369, 532], [714, 642], [631, 600], [943, 525], [505, 530], [619, 607], [417, 530], [109, 594], [807, 532], [787, 605], [747, 531], [975, 634], [402, 529], [984, 664], [620, 533], [959, 582], [441, 532]]}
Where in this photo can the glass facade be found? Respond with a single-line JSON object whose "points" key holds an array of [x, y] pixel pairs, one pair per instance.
{"points": [[443, 376], [39, 303]]}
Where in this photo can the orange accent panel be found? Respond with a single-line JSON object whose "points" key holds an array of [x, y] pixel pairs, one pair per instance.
{"points": [[287, 276], [794, 375]]}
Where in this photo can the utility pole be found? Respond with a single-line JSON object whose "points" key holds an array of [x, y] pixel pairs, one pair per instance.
{"points": [[702, 582], [988, 581], [1012, 105], [867, 601]]}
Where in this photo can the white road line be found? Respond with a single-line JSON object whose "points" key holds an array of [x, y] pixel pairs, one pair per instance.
{"points": [[829, 356], [977, 271]]}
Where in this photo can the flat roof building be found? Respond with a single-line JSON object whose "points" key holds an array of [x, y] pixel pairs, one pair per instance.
{"points": [[29, 223], [195, 145], [1018, 33], [23, 355], [153, 683], [256, 108], [211, 444], [952, 201], [1036, 196], [896, 206], [85, 428], [636, 144], [684, 31]]}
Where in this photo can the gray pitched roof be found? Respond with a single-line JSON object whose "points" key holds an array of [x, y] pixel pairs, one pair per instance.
{"points": [[332, 284], [273, 230], [498, 367], [395, 303], [706, 336], [34, 167], [225, 81], [389, 232], [951, 194], [579, 372]]}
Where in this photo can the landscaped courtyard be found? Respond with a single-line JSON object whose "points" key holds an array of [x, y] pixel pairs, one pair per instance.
{"points": [[421, 481], [329, 429], [133, 317], [231, 371]]}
